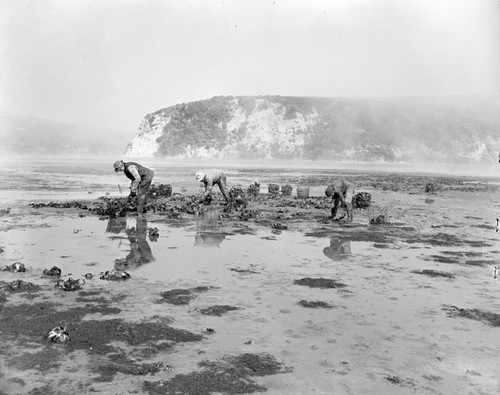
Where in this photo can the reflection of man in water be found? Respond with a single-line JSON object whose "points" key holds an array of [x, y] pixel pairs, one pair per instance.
{"points": [[208, 239], [339, 249], [140, 251], [116, 225]]}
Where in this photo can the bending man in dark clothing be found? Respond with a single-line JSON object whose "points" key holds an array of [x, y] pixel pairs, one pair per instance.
{"points": [[341, 191], [209, 178], [141, 178]]}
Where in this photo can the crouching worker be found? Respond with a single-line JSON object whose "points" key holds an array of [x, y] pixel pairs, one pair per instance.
{"points": [[141, 178], [210, 178], [341, 191]]}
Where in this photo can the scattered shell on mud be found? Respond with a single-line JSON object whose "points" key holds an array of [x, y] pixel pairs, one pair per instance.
{"points": [[15, 267], [57, 335], [153, 234], [70, 284], [53, 271], [115, 275], [5, 211]]}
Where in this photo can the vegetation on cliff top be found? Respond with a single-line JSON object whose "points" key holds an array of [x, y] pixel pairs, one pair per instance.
{"points": [[434, 128]]}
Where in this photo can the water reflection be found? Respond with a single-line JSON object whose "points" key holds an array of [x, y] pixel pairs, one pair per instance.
{"points": [[208, 233], [116, 225], [339, 249], [205, 239], [140, 251]]}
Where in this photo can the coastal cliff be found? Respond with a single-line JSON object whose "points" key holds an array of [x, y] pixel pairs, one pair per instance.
{"points": [[442, 129]]}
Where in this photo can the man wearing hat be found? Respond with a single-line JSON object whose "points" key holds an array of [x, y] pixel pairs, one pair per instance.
{"points": [[209, 178], [141, 178], [341, 191]]}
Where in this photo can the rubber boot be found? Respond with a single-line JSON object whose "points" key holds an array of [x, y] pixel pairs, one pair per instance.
{"points": [[334, 212], [349, 212], [141, 200]]}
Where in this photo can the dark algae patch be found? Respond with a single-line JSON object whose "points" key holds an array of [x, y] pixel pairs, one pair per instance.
{"points": [[492, 319], [19, 286], [444, 240], [181, 296], [319, 283], [402, 381], [479, 262], [229, 375], [315, 304], [218, 310], [177, 297], [100, 339], [245, 271], [119, 363], [444, 259], [433, 273]]}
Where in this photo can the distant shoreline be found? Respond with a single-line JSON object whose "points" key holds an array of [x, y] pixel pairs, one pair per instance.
{"points": [[453, 169]]}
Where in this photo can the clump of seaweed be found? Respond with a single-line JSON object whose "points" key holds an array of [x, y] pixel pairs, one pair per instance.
{"points": [[254, 189], [115, 275], [379, 217], [18, 286], [218, 310], [315, 304], [160, 191], [114, 207], [319, 283], [492, 319], [237, 198], [181, 296], [433, 273], [70, 284], [273, 189], [15, 267], [72, 204], [230, 375], [361, 200], [430, 187], [54, 271], [286, 190]]}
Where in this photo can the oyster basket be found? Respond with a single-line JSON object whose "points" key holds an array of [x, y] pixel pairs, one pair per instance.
{"points": [[302, 192]]}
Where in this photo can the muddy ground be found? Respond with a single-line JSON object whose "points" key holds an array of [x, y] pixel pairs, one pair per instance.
{"points": [[113, 348]]}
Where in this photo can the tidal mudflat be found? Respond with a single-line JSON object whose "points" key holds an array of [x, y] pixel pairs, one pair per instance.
{"points": [[271, 298]]}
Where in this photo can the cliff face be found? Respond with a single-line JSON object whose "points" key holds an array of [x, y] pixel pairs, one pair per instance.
{"points": [[447, 129]]}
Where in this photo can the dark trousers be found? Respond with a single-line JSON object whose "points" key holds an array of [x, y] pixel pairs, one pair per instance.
{"points": [[142, 193], [222, 186]]}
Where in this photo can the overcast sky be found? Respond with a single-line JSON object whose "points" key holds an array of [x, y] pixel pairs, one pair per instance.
{"points": [[107, 63]]}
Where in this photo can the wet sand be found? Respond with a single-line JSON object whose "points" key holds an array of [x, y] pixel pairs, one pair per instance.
{"points": [[218, 302]]}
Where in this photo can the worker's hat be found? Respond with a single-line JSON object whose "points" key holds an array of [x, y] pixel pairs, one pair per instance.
{"points": [[329, 191], [199, 176], [117, 165]]}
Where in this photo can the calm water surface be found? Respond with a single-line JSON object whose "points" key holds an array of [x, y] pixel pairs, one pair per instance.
{"points": [[387, 322]]}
